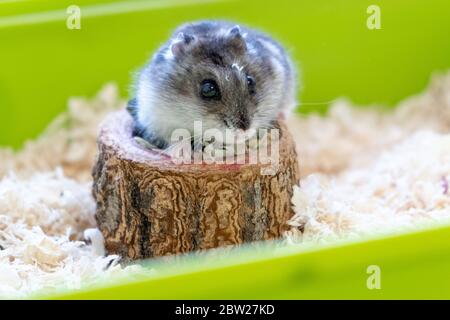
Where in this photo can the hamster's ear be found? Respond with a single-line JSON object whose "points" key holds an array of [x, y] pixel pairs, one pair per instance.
{"points": [[181, 44], [235, 31], [236, 38]]}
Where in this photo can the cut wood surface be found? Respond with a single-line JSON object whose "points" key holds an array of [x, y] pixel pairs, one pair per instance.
{"points": [[148, 206]]}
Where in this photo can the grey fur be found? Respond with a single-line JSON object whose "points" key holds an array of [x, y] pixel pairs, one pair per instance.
{"points": [[168, 87]]}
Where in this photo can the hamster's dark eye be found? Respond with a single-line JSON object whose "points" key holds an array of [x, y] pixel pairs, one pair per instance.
{"points": [[251, 84], [209, 90]]}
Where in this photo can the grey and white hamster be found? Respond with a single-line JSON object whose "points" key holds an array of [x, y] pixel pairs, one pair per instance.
{"points": [[227, 76]]}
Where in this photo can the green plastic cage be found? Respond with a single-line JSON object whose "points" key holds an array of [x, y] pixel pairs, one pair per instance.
{"points": [[43, 63]]}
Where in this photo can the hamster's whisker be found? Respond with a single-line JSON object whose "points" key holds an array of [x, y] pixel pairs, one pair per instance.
{"points": [[317, 103]]}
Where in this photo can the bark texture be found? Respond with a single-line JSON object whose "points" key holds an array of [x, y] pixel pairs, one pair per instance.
{"points": [[148, 206]]}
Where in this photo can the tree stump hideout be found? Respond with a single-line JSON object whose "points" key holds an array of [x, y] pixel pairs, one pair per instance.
{"points": [[148, 206]]}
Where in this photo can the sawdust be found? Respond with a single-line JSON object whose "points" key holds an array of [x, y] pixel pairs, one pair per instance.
{"points": [[398, 162]]}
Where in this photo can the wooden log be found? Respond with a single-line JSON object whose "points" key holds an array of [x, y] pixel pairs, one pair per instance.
{"points": [[148, 206]]}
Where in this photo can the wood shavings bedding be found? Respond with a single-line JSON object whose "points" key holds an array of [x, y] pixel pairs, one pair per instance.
{"points": [[404, 188], [398, 161], [367, 172], [69, 141], [47, 210], [351, 136]]}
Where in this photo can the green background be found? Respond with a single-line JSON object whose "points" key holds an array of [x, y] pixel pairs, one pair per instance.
{"points": [[414, 266], [43, 63]]}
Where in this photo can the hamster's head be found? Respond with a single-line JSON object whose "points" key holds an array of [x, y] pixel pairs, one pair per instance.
{"points": [[219, 80]]}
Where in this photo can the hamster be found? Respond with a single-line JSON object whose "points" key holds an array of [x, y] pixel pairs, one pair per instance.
{"points": [[226, 76]]}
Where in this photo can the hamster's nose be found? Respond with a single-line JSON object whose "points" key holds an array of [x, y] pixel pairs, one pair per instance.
{"points": [[243, 123]]}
